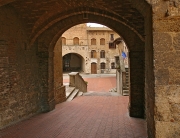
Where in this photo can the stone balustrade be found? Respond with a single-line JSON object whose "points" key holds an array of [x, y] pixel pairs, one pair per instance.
{"points": [[77, 81]]}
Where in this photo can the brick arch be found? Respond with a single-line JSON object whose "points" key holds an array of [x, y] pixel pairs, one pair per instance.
{"points": [[113, 24], [4, 2], [135, 41], [99, 13], [138, 8]]}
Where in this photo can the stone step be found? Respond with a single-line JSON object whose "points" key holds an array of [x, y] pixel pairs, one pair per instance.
{"points": [[113, 90], [126, 88], [80, 94], [69, 90], [92, 93], [73, 95], [125, 92]]}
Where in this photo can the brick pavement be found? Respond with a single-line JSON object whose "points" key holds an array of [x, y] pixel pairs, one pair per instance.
{"points": [[84, 117], [98, 84]]}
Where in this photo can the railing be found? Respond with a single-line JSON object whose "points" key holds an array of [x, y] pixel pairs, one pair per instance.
{"points": [[77, 81]]}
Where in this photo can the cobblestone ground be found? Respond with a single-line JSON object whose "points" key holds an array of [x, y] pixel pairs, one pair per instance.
{"points": [[84, 117]]}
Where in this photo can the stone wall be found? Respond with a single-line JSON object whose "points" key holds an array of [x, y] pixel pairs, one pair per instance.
{"points": [[167, 81], [19, 82], [163, 102], [82, 51], [85, 34], [98, 33]]}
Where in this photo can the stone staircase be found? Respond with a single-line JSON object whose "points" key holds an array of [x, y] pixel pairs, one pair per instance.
{"points": [[113, 90], [76, 86], [126, 84], [72, 92]]}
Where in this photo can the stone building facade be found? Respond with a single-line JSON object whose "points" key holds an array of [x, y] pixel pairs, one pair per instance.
{"points": [[95, 48], [31, 72]]}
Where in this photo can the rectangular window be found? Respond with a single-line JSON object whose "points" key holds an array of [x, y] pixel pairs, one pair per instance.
{"points": [[103, 65], [113, 65], [112, 37], [102, 41], [93, 41], [112, 45], [93, 54], [102, 54]]}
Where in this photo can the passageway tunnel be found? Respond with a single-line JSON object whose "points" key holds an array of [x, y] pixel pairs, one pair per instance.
{"points": [[36, 28]]}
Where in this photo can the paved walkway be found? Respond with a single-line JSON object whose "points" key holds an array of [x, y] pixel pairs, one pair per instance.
{"points": [[84, 117], [97, 82], [95, 115]]}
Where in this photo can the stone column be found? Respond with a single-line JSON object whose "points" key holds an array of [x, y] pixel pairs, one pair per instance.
{"points": [[137, 84], [119, 88], [59, 89]]}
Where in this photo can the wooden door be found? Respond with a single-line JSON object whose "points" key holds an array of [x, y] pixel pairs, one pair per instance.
{"points": [[93, 68]]}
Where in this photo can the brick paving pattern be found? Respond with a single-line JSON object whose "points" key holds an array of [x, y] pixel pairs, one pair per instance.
{"points": [[84, 117], [99, 84]]}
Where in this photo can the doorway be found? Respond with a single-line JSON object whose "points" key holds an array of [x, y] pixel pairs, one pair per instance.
{"points": [[93, 68]]}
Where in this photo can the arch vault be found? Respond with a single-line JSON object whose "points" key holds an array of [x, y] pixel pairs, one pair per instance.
{"points": [[31, 75]]}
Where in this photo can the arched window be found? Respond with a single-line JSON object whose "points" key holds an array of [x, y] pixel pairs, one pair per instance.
{"points": [[112, 65], [63, 40], [93, 41], [103, 65], [102, 54], [102, 41], [93, 54], [76, 41]]}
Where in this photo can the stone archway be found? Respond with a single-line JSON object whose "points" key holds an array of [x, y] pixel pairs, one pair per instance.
{"points": [[135, 43], [46, 28], [30, 29], [73, 62]]}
